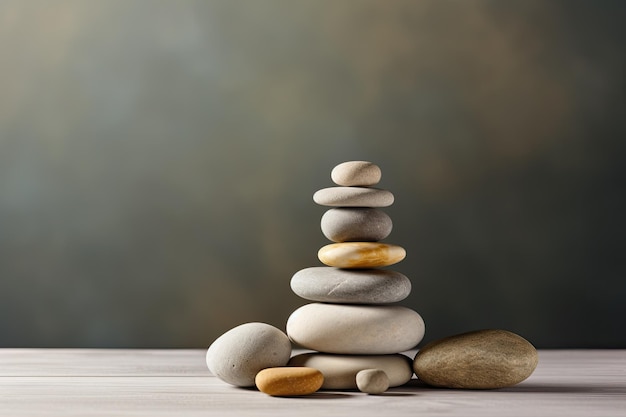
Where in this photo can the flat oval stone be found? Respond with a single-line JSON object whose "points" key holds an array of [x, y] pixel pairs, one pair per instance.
{"points": [[355, 329], [350, 286], [340, 370], [289, 381], [483, 359], [372, 381], [360, 173], [240, 353], [357, 224], [361, 254], [353, 197]]}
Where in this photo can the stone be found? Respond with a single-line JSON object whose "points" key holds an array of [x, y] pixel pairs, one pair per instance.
{"points": [[360, 173], [350, 286], [353, 197], [239, 354], [340, 370], [289, 381], [357, 224], [483, 359], [355, 329], [372, 381], [361, 254]]}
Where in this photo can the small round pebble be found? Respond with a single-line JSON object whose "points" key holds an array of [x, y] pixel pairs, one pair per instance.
{"points": [[356, 173], [483, 359], [357, 224], [372, 381], [289, 381], [361, 254], [239, 354]]}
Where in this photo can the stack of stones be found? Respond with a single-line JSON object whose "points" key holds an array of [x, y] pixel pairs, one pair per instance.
{"points": [[352, 325]]}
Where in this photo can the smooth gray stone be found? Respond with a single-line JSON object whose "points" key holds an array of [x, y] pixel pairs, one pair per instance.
{"points": [[356, 224], [359, 173], [355, 329], [340, 370], [350, 286], [240, 353], [353, 197]]}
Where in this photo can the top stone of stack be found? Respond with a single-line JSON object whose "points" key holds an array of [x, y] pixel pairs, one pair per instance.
{"points": [[356, 173], [355, 180]]}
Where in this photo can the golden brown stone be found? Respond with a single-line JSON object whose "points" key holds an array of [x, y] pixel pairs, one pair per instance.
{"points": [[361, 254], [483, 359], [289, 381]]}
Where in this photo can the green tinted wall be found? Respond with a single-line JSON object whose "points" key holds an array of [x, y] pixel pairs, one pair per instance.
{"points": [[158, 160]]}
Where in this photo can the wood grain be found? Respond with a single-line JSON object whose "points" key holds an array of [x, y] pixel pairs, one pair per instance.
{"points": [[93, 382]]}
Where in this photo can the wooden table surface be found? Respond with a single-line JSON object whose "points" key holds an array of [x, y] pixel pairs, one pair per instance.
{"points": [[88, 382]]}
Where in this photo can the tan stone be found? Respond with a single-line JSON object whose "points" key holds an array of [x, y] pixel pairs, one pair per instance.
{"points": [[353, 197], [289, 381], [360, 173], [361, 254], [483, 359]]}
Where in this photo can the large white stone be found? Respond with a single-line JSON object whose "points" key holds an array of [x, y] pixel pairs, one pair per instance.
{"points": [[340, 370], [353, 286], [240, 353], [356, 224], [355, 329]]}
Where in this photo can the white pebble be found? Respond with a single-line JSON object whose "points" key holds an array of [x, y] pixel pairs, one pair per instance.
{"points": [[372, 381], [240, 353], [359, 173]]}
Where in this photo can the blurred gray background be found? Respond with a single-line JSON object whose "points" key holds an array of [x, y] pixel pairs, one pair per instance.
{"points": [[158, 161]]}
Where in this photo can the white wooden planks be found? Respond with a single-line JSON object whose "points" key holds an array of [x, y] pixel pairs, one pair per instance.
{"points": [[96, 382]]}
